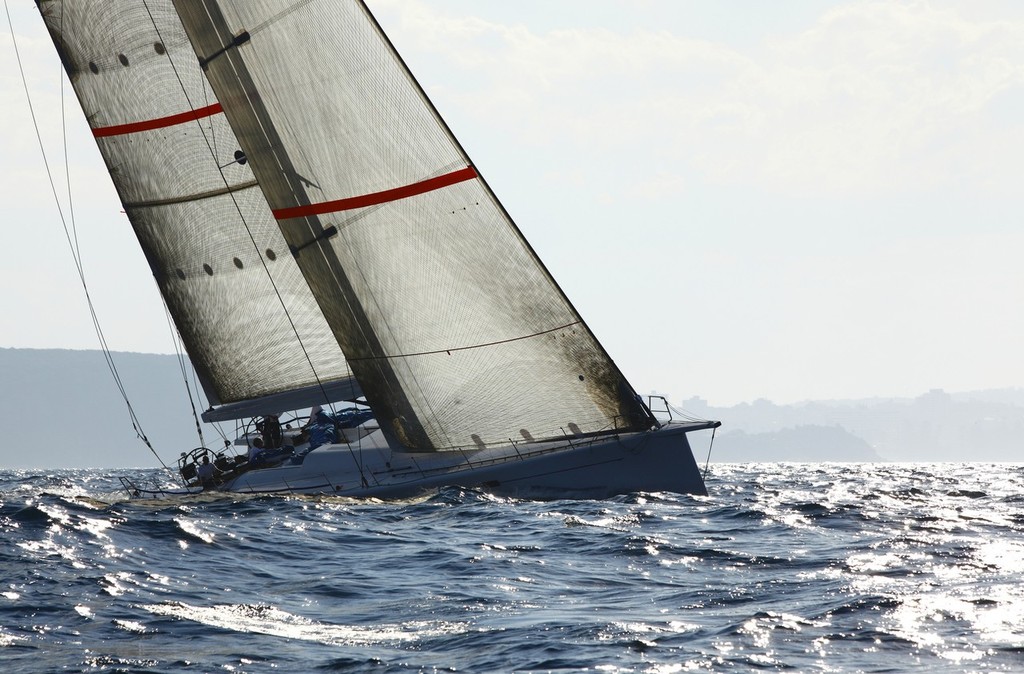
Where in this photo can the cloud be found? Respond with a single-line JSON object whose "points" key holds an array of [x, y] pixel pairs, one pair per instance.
{"points": [[658, 164], [882, 96], [874, 98]]}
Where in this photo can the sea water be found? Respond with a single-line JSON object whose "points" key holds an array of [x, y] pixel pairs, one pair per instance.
{"points": [[800, 567]]}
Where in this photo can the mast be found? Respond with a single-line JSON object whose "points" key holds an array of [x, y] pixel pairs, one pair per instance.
{"points": [[306, 234]]}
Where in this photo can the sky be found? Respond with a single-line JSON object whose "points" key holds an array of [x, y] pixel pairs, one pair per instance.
{"points": [[788, 200]]}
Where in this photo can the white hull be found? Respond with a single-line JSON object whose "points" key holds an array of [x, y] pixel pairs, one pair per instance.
{"points": [[658, 460]]}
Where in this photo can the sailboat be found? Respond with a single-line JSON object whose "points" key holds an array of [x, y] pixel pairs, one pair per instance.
{"points": [[320, 238]]}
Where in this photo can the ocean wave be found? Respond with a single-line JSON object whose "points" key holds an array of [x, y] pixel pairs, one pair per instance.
{"points": [[809, 568]]}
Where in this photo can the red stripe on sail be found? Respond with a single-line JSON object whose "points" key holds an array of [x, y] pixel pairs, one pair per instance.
{"points": [[362, 201], [158, 123]]}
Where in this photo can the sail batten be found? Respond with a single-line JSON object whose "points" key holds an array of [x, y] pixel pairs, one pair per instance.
{"points": [[157, 123], [449, 349], [249, 184], [377, 198]]}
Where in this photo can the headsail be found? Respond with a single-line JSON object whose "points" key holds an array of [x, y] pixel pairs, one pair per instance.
{"points": [[457, 334], [378, 233], [202, 221]]}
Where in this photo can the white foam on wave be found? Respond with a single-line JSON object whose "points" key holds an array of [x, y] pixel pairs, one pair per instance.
{"points": [[262, 619]]}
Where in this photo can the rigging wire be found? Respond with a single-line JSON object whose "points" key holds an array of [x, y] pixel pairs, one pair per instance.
{"points": [[184, 374], [210, 145], [186, 369], [708, 460], [71, 234], [64, 136], [683, 414]]}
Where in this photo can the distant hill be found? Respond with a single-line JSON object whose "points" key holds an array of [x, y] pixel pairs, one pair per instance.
{"points": [[798, 443], [935, 426], [62, 410]]}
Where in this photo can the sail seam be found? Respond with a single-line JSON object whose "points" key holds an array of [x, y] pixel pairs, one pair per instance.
{"points": [[192, 197], [468, 348], [157, 123], [375, 198]]}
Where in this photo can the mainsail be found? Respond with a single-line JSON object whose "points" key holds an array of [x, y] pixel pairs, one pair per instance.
{"points": [[400, 253], [211, 241]]}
